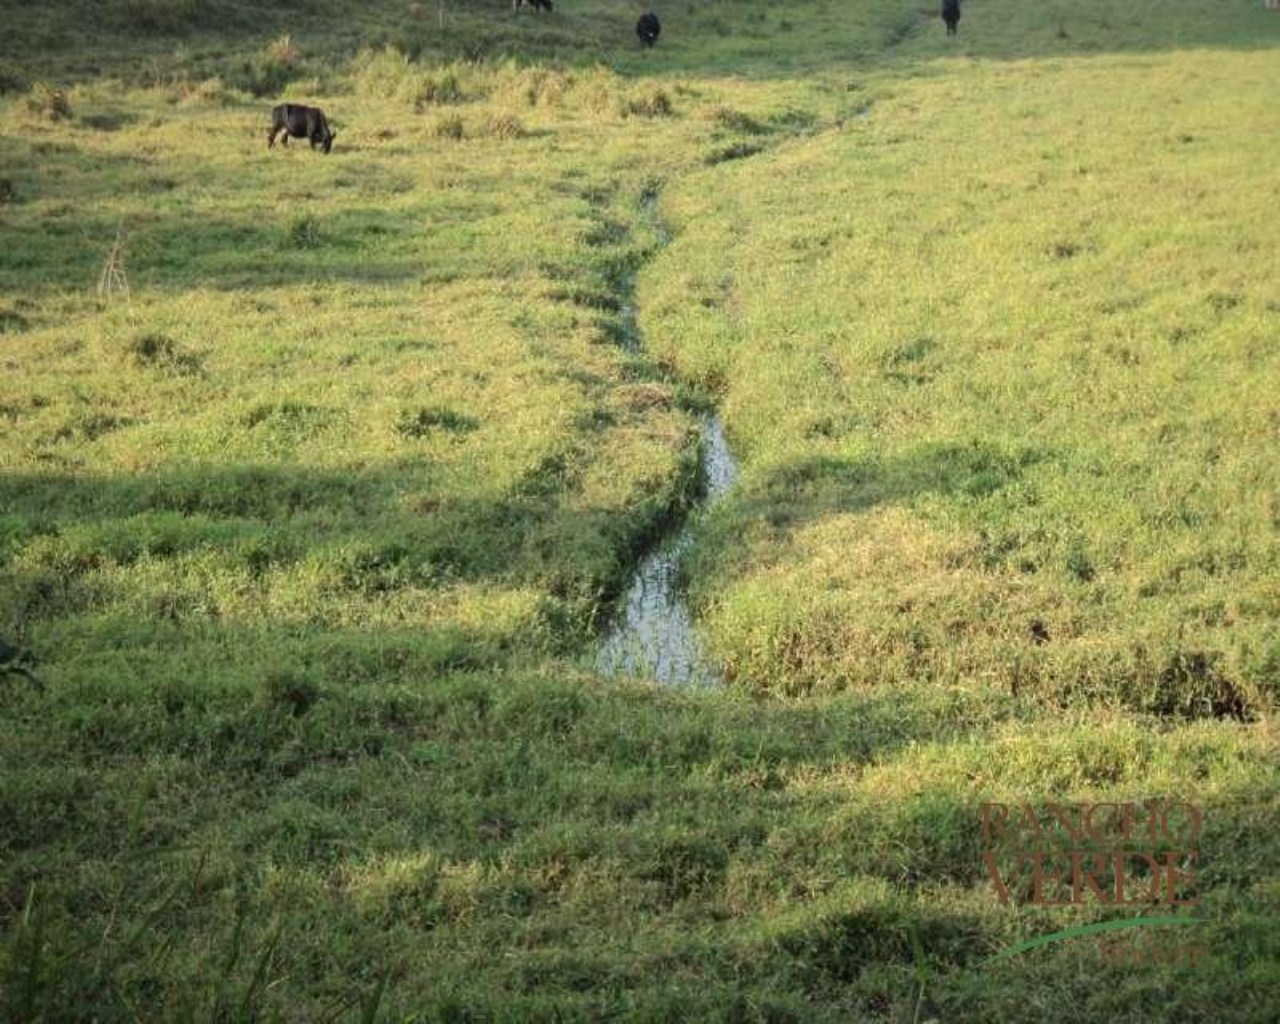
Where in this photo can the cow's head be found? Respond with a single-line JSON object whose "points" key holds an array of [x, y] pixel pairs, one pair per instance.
{"points": [[329, 136]]}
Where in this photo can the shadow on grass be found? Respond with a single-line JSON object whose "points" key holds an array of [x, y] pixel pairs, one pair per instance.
{"points": [[371, 532], [582, 834], [798, 492]]}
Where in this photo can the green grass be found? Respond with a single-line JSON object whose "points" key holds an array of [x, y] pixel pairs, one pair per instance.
{"points": [[1022, 400], [308, 536]]}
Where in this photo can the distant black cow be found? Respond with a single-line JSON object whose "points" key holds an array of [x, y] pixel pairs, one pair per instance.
{"points": [[302, 123], [647, 28], [543, 5], [951, 15]]}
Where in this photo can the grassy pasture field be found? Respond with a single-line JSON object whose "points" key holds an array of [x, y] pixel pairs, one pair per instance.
{"points": [[309, 534]]}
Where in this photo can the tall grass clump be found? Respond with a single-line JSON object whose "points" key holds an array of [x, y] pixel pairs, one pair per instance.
{"points": [[733, 120], [159, 351], [304, 231], [439, 88], [449, 126], [284, 51], [531, 86], [212, 91], [278, 64], [646, 101], [390, 73], [386, 72], [49, 103], [503, 126]]}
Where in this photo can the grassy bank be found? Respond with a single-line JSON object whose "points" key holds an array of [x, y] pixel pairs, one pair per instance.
{"points": [[308, 534], [999, 372]]}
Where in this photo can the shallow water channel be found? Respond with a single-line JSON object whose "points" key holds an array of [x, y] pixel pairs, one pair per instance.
{"points": [[652, 635]]}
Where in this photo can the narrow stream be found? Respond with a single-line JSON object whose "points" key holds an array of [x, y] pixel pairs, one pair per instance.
{"points": [[653, 636]]}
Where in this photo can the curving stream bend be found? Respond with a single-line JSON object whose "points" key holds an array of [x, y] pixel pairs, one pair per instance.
{"points": [[653, 635]]}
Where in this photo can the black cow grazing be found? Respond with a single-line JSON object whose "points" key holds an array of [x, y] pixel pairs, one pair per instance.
{"points": [[537, 5], [647, 28], [302, 123], [951, 15]]}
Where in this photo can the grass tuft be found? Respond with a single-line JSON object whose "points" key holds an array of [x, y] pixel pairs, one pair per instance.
{"points": [[426, 420], [304, 232], [162, 352], [647, 101], [449, 126], [503, 126], [48, 103]]}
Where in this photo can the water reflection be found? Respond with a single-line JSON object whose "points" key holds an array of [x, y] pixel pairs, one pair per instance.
{"points": [[653, 636]]}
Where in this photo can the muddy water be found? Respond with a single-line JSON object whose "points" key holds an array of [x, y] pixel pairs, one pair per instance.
{"points": [[652, 636]]}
